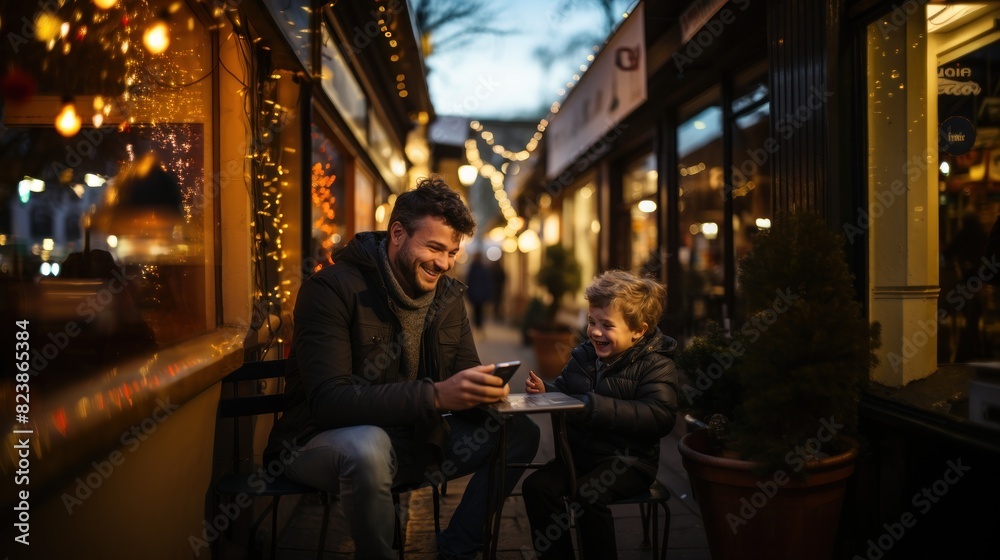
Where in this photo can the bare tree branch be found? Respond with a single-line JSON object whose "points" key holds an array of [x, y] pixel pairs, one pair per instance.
{"points": [[450, 23], [608, 13]]}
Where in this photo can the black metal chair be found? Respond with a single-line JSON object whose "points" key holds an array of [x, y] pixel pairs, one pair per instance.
{"points": [[655, 497], [649, 501], [248, 477], [399, 536]]}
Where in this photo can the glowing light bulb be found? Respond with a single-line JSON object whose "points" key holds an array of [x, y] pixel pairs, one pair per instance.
{"points": [[105, 4], [47, 27], [67, 121], [156, 39]]}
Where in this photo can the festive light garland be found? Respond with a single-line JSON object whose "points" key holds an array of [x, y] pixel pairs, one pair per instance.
{"points": [[117, 29], [497, 177]]}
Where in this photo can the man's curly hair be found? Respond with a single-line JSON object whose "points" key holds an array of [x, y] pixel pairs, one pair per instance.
{"points": [[433, 197]]}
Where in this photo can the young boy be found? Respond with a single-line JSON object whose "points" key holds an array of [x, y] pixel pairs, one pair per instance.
{"points": [[625, 375]]}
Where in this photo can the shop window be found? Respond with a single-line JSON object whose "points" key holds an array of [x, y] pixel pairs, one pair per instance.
{"points": [[343, 88], [295, 23], [701, 215], [329, 207], [364, 201], [640, 197], [579, 213], [967, 47], [119, 287], [751, 173], [932, 83], [384, 199]]}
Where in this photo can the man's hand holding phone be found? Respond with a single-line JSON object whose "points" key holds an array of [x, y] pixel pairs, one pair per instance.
{"points": [[506, 370], [472, 387]]}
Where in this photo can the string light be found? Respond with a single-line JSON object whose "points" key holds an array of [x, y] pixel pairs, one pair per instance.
{"points": [[68, 121], [515, 223], [138, 87], [386, 29], [322, 198], [497, 176], [532, 143], [543, 123], [156, 38], [47, 27]]}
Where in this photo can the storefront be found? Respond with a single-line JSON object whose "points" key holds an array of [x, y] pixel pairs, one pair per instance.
{"points": [[169, 173], [928, 72], [879, 116], [655, 158]]}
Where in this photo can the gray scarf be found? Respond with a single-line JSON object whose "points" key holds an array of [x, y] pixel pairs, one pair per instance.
{"points": [[412, 313]]}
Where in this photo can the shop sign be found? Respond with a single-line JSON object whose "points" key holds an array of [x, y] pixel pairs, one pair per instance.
{"points": [[613, 87], [955, 80], [956, 135]]}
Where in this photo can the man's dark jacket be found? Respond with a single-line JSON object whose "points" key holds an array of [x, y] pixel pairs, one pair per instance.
{"points": [[344, 368], [632, 407]]}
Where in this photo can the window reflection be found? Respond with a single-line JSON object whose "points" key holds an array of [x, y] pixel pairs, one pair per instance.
{"points": [[751, 176], [345, 92], [580, 222], [113, 293], [701, 214], [329, 222], [640, 193], [968, 178], [99, 291]]}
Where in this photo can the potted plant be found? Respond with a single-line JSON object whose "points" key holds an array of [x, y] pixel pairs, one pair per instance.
{"points": [[560, 274], [780, 397]]}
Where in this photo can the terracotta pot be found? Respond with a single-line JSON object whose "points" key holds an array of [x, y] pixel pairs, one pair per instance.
{"points": [[771, 516], [552, 348]]}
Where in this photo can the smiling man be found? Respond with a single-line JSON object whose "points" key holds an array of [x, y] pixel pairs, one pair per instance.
{"points": [[381, 348]]}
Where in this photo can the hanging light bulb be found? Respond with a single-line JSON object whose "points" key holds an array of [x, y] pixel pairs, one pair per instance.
{"points": [[156, 38], [68, 121], [105, 4], [47, 27], [98, 111]]}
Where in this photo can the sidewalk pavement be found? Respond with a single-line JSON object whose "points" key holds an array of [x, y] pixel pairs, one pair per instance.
{"points": [[500, 343]]}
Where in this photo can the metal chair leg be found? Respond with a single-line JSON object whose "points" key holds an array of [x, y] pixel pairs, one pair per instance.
{"points": [[666, 529], [274, 527], [437, 509], [644, 515], [397, 537], [654, 514], [323, 528]]}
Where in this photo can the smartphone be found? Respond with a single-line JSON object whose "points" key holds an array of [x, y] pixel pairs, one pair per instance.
{"points": [[506, 370]]}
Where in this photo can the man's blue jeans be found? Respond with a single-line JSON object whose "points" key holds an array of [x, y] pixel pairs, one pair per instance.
{"points": [[362, 464]]}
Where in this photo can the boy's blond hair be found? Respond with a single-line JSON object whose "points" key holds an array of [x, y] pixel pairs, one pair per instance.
{"points": [[640, 300]]}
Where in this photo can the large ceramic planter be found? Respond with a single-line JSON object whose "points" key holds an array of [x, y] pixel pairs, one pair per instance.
{"points": [[773, 516], [552, 349]]}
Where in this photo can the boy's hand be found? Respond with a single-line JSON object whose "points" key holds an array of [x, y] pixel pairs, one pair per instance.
{"points": [[468, 388], [533, 384]]}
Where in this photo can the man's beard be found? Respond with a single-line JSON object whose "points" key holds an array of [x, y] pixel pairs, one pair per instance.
{"points": [[407, 265]]}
